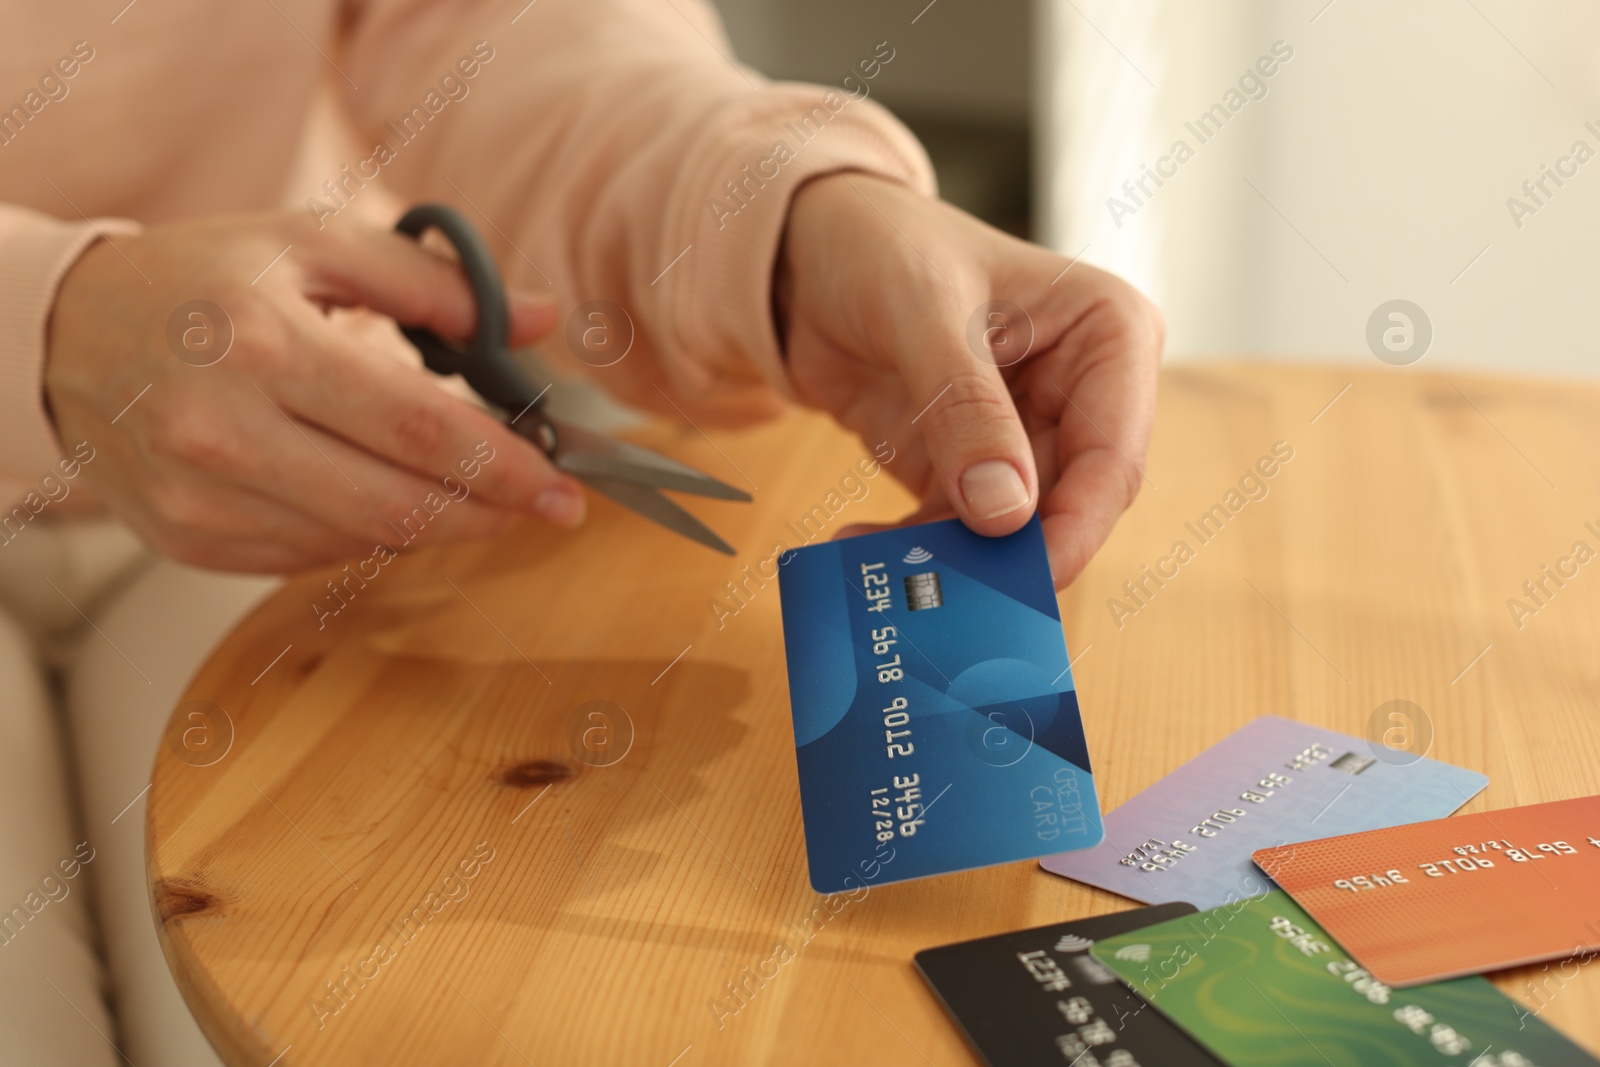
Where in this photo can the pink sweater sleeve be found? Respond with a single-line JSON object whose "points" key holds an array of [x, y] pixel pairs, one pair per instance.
{"points": [[35, 252], [620, 154]]}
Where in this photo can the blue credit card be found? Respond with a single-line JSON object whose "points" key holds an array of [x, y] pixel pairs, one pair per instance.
{"points": [[1273, 781], [936, 726]]}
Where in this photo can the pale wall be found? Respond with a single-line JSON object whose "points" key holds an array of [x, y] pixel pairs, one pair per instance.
{"points": [[1391, 141]]}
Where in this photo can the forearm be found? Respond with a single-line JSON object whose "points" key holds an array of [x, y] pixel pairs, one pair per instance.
{"points": [[36, 251], [628, 160]]}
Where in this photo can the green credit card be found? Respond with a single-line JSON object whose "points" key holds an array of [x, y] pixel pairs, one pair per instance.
{"points": [[1261, 985]]}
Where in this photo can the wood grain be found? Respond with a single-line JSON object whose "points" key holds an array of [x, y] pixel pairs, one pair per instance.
{"points": [[443, 711]]}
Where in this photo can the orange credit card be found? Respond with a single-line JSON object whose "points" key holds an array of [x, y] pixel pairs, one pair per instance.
{"points": [[1461, 895]]}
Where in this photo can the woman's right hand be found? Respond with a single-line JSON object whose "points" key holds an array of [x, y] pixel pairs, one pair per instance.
{"points": [[265, 438]]}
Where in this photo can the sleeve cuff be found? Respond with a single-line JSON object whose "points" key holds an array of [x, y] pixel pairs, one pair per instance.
{"points": [[719, 300], [36, 252]]}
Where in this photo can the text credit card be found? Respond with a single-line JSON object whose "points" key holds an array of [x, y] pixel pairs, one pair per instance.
{"points": [[1190, 835], [1454, 896], [1261, 985], [936, 725], [1038, 997]]}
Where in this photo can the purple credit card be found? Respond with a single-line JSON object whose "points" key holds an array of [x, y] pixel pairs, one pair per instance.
{"points": [[1273, 781]]}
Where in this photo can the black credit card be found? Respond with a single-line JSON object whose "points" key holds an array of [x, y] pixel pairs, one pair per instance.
{"points": [[1038, 997]]}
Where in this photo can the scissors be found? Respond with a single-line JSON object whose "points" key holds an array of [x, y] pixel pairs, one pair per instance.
{"points": [[630, 475]]}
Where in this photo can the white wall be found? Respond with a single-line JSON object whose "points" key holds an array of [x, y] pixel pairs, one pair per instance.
{"points": [[1390, 141]]}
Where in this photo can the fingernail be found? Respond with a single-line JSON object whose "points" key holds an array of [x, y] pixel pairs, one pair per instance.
{"points": [[537, 304], [561, 505], [993, 488]]}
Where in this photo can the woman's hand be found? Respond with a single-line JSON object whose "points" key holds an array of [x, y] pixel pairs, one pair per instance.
{"points": [[901, 317], [269, 439]]}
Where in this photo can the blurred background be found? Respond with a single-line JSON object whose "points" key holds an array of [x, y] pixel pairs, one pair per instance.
{"points": [[1440, 152], [961, 78]]}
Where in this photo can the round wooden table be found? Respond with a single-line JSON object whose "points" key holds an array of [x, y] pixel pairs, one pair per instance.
{"points": [[534, 800]]}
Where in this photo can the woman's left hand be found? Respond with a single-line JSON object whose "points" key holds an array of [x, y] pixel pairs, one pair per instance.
{"points": [[1005, 380]]}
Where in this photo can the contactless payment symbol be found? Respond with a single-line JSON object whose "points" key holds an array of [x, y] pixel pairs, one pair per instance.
{"points": [[1134, 953], [922, 590], [1073, 943]]}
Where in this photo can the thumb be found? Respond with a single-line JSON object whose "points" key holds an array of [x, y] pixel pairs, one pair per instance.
{"points": [[979, 450]]}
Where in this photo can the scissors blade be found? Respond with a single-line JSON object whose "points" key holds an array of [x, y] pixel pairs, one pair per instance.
{"points": [[649, 503], [586, 454]]}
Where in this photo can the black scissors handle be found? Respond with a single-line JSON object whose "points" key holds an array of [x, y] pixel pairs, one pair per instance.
{"points": [[628, 474], [484, 363]]}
